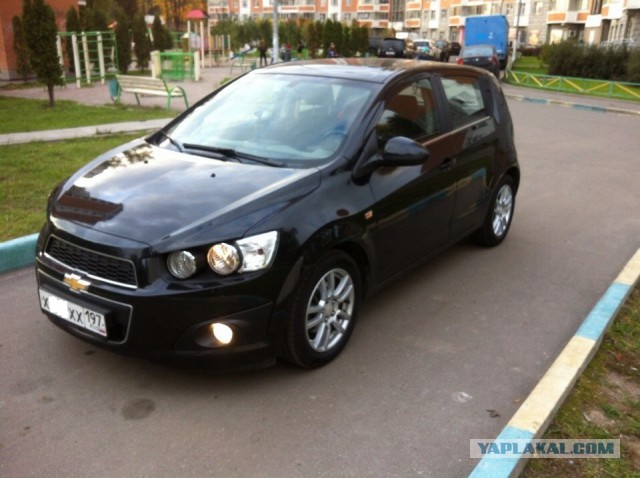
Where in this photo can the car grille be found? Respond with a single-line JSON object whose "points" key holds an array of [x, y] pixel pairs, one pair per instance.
{"points": [[97, 265]]}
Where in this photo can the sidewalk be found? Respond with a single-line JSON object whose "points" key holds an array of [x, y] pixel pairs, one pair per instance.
{"points": [[98, 93]]}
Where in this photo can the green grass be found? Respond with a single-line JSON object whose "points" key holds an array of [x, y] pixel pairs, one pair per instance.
{"points": [[530, 64], [22, 115], [605, 403], [29, 172]]}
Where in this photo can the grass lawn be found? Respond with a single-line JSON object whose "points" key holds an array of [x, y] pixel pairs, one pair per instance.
{"points": [[29, 172], [530, 64], [604, 404], [22, 114]]}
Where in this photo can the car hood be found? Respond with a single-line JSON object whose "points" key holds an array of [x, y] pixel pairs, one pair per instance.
{"points": [[168, 199]]}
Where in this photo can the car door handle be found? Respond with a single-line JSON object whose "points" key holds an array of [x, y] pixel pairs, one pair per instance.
{"points": [[448, 164]]}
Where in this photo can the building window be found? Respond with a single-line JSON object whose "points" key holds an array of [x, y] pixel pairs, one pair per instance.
{"points": [[443, 13]]}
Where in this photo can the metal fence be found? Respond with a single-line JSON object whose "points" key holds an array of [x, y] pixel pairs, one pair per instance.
{"points": [[566, 84]]}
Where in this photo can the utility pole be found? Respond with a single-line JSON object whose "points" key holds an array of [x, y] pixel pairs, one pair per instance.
{"points": [[515, 40], [276, 47]]}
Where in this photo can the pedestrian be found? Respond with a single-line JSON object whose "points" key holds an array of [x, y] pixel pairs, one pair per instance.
{"points": [[262, 48], [332, 52]]}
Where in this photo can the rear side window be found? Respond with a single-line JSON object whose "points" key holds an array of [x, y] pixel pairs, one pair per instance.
{"points": [[464, 97]]}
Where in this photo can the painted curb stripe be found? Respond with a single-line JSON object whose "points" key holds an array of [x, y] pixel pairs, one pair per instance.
{"points": [[605, 310], [492, 467], [568, 104], [537, 411], [17, 253]]}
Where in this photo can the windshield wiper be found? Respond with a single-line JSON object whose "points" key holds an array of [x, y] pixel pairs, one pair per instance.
{"points": [[226, 153], [171, 140]]}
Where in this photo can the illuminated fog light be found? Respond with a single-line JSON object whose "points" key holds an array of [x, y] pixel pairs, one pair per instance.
{"points": [[182, 264], [223, 258], [222, 333]]}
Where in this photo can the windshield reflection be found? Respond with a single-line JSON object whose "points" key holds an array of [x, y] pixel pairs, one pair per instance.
{"points": [[294, 119]]}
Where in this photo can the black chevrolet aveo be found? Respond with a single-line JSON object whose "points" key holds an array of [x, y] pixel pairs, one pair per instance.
{"points": [[253, 225]]}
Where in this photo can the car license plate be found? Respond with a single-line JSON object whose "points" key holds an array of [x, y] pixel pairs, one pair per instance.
{"points": [[390, 53], [76, 314]]}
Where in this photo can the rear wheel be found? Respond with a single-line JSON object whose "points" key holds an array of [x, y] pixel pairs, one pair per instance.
{"points": [[498, 219], [323, 311]]}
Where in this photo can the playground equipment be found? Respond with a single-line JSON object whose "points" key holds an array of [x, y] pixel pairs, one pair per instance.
{"points": [[93, 55]]}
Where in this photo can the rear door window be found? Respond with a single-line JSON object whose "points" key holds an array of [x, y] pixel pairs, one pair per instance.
{"points": [[464, 98]]}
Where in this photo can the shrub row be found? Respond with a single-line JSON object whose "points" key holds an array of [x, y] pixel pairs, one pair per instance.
{"points": [[613, 63]]}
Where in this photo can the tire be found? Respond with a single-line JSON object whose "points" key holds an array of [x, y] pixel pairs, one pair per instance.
{"points": [[499, 216], [323, 311]]}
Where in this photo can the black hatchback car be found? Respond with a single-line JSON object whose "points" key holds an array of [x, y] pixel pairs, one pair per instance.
{"points": [[253, 225]]}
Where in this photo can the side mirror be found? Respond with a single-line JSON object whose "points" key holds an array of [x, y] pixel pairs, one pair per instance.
{"points": [[398, 151], [401, 151]]}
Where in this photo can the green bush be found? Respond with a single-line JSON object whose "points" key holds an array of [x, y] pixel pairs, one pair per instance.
{"points": [[569, 58], [633, 66]]}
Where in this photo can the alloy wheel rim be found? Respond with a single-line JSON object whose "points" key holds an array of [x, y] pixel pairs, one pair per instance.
{"points": [[330, 310], [502, 210]]}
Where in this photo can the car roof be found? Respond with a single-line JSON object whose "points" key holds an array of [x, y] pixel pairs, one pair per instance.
{"points": [[374, 70]]}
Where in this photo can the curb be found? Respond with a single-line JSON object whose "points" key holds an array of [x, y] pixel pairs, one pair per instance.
{"points": [[17, 253], [569, 104], [535, 414]]}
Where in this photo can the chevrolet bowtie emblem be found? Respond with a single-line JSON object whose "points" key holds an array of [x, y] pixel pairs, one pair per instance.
{"points": [[76, 282]]}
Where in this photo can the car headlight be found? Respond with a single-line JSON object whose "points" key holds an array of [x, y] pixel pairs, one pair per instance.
{"points": [[182, 264], [257, 251], [250, 254], [223, 258]]}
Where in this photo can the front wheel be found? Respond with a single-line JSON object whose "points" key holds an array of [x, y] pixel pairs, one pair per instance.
{"points": [[499, 216], [323, 311]]}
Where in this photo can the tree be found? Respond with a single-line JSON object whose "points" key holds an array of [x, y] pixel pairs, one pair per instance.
{"points": [[175, 10], [123, 41], [161, 37], [20, 49], [142, 47], [129, 7], [41, 34]]}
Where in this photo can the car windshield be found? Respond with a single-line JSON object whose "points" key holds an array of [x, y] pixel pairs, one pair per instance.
{"points": [[480, 50], [294, 120]]}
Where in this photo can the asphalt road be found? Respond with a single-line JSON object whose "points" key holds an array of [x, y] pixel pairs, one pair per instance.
{"points": [[445, 355]]}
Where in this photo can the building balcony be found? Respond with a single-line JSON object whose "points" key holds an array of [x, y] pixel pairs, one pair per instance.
{"points": [[612, 11], [376, 7], [374, 23], [632, 5], [573, 17]]}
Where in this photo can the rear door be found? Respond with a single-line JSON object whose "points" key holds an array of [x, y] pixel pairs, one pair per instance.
{"points": [[474, 139]]}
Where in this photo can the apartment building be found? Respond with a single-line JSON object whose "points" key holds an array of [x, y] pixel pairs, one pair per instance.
{"points": [[533, 22]]}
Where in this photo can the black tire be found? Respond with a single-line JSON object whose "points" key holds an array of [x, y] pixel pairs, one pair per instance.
{"points": [[322, 313], [499, 216]]}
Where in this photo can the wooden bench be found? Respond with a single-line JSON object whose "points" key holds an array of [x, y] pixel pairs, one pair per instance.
{"points": [[145, 86]]}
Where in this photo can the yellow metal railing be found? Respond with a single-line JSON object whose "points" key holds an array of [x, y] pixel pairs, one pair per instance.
{"points": [[565, 84]]}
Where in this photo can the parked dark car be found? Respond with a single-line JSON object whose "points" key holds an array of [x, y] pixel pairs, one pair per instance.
{"points": [[393, 48], [454, 48], [480, 56], [253, 225]]}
